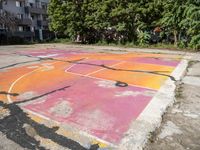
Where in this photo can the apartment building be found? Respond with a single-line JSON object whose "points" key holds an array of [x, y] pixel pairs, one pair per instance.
{"points": [[24, 18]]}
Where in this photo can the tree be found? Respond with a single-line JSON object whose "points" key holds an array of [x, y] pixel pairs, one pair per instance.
{"points": [[116, 21], [191, 23], [172, 15]]}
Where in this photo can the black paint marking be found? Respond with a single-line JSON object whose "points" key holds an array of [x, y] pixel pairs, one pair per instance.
{"points": [[39, 59], [12, 65], [6, 93], [13, 127], [142, 71], [121, 84], [40, 96], [160, 73], [102, 65]]}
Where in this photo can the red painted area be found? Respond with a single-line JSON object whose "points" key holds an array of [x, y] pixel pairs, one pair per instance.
{"points": [[105, 112]]}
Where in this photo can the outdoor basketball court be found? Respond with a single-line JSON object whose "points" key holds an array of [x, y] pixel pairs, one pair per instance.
{"points": [[97, 95]]}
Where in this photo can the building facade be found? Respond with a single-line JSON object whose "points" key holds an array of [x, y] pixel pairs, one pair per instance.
{"points": [[26, 19]]}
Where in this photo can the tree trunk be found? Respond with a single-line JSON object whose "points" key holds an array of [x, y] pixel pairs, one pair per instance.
{"points": [[175, 38], [55, 33]]}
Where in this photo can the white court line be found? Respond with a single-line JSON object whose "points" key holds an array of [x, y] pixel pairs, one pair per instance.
{"points": [[69, 67], [74, 64], [47, 118], [105, 68], [13, 84], [110, 80]]}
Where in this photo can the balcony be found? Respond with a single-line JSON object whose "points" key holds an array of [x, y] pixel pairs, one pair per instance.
{"points": [[35, 10], [25, 21], [23, 34], [1, 5], [42, 23], [3, 31], [39, 23], [45, 23]]}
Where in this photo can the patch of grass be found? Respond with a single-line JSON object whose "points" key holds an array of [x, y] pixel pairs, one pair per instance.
{"points": [[127, 45], [62, 40], [152, 136], [179, 91]]}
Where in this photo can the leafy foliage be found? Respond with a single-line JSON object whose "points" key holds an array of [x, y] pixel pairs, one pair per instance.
{"points": [[143, 38], [116, 21]]}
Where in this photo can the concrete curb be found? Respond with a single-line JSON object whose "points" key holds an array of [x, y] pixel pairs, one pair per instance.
{"points": [[112, 49], [150, 119]]}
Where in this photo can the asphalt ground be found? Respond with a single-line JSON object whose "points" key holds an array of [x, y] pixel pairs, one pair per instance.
{"points": [[84, 98]]}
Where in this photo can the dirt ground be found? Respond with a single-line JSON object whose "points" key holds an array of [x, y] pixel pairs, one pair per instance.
{"points": [[180, 126]]}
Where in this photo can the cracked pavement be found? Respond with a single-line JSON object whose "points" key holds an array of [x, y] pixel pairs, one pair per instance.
{"points": [[180, 126]]}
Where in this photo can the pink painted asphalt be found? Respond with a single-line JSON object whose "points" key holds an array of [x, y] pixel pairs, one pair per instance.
{"points": [[106, 112], [92, 103]]}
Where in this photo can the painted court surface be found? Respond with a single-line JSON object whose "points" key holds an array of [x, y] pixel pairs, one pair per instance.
{"points": [[100, 94]]}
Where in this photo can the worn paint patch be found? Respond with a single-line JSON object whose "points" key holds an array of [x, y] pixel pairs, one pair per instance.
{"points": [[27, 95], [61, 109], [106, 84], [127, 93]]}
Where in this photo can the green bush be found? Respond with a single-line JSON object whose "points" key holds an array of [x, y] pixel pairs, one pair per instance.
{"points": [[143, 38], [195, 42], [181, 44]]}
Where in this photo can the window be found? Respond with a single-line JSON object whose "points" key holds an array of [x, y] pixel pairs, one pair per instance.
{"points": [[19, 4], [44, 17], [1, 26], [31, 5], [37, 16], [26, 28], [37, 4], [20, 16], [20, 28], [45, 27], [26, 15], [32, 17], [44, 5], [2, 2], [32, 29]]}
